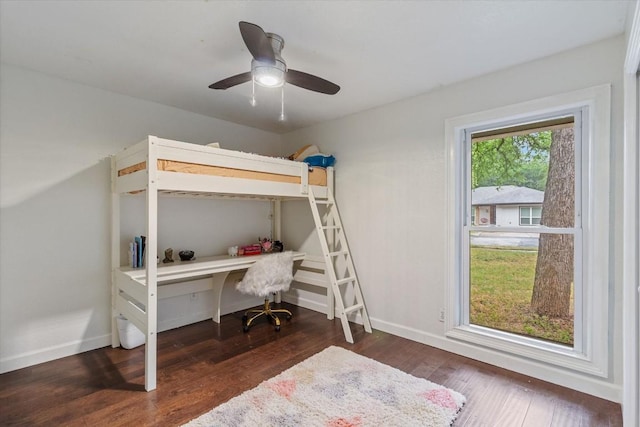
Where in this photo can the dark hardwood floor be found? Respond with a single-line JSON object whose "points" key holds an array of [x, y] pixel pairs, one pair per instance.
{"points": [[203, 365]]}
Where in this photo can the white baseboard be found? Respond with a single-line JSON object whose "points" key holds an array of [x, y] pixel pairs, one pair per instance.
{"points": [[31, 358], [552, 374], [304, 302]]}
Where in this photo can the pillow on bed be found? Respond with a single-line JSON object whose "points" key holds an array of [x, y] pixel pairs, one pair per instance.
{"points": [[304, 152]]}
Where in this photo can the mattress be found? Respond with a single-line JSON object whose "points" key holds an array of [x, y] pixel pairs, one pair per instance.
{"points": [[317, 176]]}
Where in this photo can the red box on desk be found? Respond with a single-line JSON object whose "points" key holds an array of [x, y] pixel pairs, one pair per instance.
{"points": [[251, 250]]}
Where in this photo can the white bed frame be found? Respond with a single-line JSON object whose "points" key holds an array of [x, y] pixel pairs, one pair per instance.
{"points": [[135, 291]]}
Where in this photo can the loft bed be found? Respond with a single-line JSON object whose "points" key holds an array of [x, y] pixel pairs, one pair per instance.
{"points": [[158, 167], [178, 167]]}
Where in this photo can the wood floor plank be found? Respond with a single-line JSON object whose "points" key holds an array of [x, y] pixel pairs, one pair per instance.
{"points": [[515, 407], [540, 410], [205, 364]]}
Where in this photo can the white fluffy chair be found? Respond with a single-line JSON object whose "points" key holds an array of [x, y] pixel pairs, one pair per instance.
{"points": [[270, 274]]}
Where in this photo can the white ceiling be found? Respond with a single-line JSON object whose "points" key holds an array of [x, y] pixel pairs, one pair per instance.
{"points": [[377, 51]]}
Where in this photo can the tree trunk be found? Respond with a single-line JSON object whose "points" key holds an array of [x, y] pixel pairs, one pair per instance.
{"points": [[554, 269]]}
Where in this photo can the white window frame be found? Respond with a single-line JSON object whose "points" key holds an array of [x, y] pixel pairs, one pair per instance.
{"points": [[531, 217], [590, 353]]}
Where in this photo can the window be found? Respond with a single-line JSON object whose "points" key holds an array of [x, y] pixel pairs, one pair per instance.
{"points": [[530, 215], [565, 236], [523, 282]]}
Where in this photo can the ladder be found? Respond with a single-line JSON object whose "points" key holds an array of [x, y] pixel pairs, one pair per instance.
{"points": [[338, 263]]}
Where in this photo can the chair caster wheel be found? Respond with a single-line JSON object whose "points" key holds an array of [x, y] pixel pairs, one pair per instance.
{"points": [[245, 328], [277, 328], [288, 317]]}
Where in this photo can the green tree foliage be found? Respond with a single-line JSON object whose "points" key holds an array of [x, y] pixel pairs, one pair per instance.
{"points": [[521, 160]]}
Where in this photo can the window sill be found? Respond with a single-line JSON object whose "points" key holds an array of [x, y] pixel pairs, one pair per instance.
{"points": [[549, 353]]}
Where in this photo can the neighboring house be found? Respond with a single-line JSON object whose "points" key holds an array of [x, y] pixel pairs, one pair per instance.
{"points": [[507, 205]]}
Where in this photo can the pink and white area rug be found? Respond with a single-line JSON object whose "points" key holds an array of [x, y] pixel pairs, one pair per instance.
{"points": [[339, 388]]}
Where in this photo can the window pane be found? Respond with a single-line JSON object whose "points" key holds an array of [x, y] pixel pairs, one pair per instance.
{"points": [[523, 285], [519, 282], [509, 178]]}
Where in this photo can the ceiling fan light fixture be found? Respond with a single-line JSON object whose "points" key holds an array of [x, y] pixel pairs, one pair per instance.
{"points": [[268, 75], [268, 69]]}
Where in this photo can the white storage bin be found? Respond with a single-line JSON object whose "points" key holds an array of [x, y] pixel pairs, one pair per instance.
{"points": [[130, 335]]}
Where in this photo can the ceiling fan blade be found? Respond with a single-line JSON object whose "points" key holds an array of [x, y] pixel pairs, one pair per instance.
{"points": [[257, 42], [231, 81], [311, 82]]}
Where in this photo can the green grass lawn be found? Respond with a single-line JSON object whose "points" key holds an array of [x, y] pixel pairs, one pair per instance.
{"points": [[501, 289]]}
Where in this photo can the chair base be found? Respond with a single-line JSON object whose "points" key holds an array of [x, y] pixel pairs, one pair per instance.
{"points": [[268, 312]]}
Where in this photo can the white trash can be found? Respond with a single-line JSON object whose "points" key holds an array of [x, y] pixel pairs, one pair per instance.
{"points": [[130, 335]]}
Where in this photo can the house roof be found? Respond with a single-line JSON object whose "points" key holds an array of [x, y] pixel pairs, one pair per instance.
{"points": [[506, 195]]}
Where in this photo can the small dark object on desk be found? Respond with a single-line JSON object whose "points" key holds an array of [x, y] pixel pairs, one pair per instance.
{"points": [[168, 256], [186, 255]]}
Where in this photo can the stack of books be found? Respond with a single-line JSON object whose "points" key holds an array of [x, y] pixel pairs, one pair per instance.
{"points": [[136, 252]]}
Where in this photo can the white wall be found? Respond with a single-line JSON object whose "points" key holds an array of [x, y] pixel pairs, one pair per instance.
{"points": [[55, 139], [390, 187]]}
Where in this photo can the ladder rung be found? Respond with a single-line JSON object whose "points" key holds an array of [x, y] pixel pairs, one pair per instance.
{"points": [[330, 227], [338, 253], [324, 202], [345, 280], [353, 308]]}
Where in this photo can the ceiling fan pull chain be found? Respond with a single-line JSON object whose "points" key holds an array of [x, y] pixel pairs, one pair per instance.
{"points": [[282, 104], [253, 93]]}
